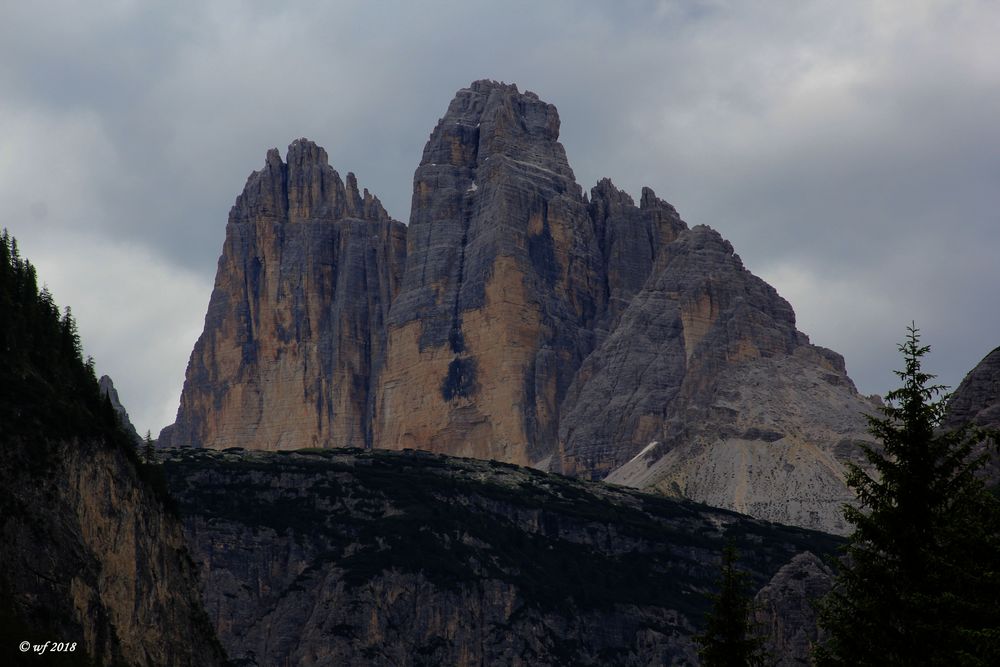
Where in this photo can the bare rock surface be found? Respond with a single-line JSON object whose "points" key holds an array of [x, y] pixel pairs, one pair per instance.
{"points": [[785, 610], [977, 398], [90, 556], [512, 279], [524, 322], [339, 557], [502, 287], [976, 401], [294, 335], [707, 390]]}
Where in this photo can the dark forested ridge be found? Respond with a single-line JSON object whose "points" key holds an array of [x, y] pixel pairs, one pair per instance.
{"points": [[46, 387], [89, 558], [343, 556]]}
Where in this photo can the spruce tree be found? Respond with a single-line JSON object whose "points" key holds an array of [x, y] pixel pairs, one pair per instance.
{"points": [[729, 640], [920, 579], [148, 451]]}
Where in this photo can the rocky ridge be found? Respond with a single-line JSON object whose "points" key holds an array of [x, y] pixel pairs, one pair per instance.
{"points": [[707, 390], [976, 401], [330, 557], [529, 323]]}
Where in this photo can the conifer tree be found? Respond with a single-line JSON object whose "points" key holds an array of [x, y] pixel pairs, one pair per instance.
{"points": [[148, 451], [921, 577], [729, 640]]}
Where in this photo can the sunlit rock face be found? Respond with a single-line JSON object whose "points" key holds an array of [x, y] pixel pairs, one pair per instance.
{"points": [[295, 331]]}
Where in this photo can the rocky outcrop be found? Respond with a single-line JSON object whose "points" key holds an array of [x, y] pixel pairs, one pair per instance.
{"points": [[976, 401], [408, 558], [107, 388], [529, 323], [91, 558], [502, 286], [630, 238], [705, 389], [294, 337], [785, 611], [512, 278]]}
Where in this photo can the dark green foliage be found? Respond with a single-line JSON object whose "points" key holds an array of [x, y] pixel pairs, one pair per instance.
{"points": [[921, 581], [729, 639], [148, 451], [46, 388]]}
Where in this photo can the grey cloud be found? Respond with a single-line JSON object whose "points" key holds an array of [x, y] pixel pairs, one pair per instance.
{"points": [[853, 142]]}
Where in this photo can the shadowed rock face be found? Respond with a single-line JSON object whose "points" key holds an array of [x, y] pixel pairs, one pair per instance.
{"points": [[345, 557], [91, 557], [785, 610], [706, 389], [977, 398], [976, 401], [294, 334]]}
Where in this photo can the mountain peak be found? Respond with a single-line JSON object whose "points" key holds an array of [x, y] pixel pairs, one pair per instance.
{"points": [[303, 187]]}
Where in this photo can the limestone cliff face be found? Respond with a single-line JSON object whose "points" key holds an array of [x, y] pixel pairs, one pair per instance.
{"points": [[406, 558], [630, 239], [90, 556], [294, 335], [507, 281], [706, 389]]}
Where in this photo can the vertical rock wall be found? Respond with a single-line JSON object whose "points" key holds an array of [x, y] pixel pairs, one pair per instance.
{"points": [[506, 284], [294, 333]]}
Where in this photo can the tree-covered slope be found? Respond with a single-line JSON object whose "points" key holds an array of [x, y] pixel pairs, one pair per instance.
{"points": [[88, 556]]}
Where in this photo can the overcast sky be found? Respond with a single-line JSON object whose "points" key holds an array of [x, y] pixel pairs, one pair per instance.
{"points": [[850, 151]]}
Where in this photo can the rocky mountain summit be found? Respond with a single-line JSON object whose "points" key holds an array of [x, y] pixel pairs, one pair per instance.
{"points": [[512, 278], [337, 557], [295, 330], [525, 322]]}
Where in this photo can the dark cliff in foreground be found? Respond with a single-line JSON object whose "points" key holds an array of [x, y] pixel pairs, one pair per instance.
{"points": [[88, 555], [330, 557]]}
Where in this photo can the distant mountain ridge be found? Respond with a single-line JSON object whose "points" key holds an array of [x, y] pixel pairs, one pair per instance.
{"points": [[518, 319]]}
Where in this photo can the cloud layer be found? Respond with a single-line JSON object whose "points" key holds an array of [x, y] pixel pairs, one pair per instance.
{"points": [[848, 150]]}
